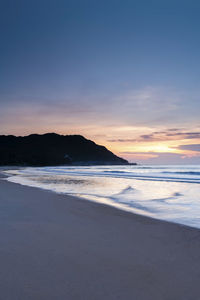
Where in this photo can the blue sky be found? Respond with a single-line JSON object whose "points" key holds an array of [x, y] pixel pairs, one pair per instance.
{"points": [[113, 71]]}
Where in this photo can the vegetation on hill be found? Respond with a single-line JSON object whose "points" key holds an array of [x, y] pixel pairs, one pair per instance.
{"points": [[53, 149]]}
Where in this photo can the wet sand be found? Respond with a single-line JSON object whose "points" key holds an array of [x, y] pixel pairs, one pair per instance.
{"points": [[60, 247]]}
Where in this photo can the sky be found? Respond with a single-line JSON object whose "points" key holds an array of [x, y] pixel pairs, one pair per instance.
{"points": [[122, 73]]}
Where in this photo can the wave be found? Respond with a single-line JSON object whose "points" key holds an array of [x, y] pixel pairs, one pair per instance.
{"points": [[115, 172], [125, 191], [164, 192], [183, 173], [154, 175]]}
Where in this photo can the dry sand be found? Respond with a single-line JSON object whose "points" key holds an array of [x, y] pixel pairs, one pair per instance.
{"points": [[60, 247]]}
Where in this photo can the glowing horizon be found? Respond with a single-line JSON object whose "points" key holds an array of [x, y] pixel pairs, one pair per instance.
{"points": [[123, 74]]}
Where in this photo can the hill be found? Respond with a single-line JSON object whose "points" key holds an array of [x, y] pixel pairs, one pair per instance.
{"points": [[53, 149]]}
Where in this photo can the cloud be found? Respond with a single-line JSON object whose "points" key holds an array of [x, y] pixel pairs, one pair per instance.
{"points": [[185, 135], [167, 135], [173, 129], [122, 140], [147, 137], [146, 107], [192, 147]]}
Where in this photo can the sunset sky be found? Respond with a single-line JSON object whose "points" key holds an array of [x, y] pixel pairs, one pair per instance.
{"points": [[122, 73]]}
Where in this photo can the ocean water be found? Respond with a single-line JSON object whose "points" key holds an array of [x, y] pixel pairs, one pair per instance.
{"points": [[169, 193]]}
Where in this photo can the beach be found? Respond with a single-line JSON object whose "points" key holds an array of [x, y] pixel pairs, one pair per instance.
{"points": [[55, 246]]}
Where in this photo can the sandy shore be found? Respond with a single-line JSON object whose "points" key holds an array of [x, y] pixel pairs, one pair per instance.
{"points": [[63, 248]]}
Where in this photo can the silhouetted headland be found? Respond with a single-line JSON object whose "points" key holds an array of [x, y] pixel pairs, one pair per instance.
{"points": [[54, 149]]}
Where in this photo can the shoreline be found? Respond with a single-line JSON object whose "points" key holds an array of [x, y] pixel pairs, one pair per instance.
{"points": [[114, 206], [56, 246], [121, 207]]}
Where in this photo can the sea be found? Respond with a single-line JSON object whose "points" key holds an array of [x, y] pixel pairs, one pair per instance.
{"points": [[166, 192]]}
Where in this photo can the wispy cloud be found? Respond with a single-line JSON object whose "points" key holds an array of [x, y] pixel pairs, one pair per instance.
{"points": [[167, 135], [191, 147], [150, 118]]}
